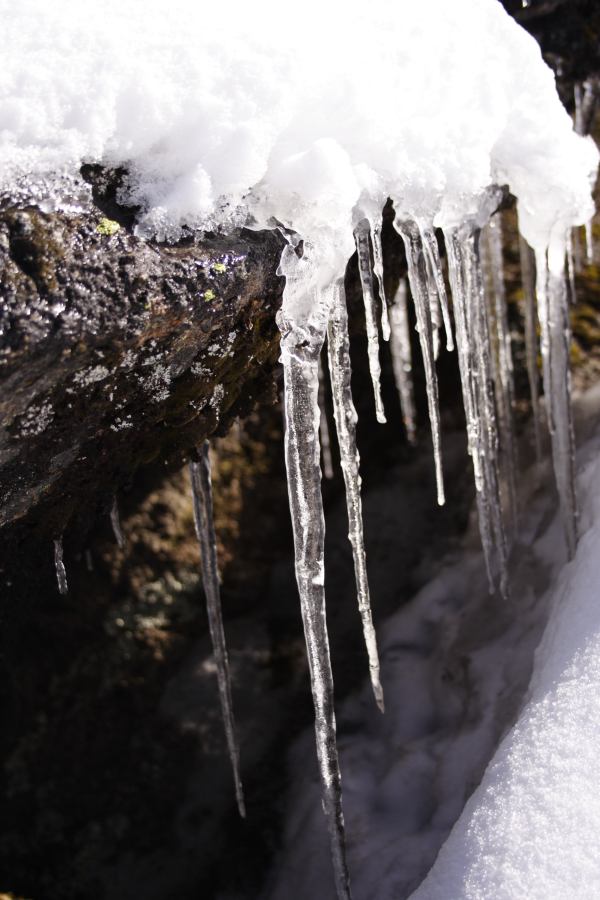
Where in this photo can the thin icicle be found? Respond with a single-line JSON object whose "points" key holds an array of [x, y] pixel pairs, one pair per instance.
{"points": [[473, 342], [436, 278], [115, 521], [419, 286], [589, 242], [570, 261], [324, 428], [378, 270], [303, 322], [501, 351], [200, 476], [402, 360], [338, 345], [361, 236], [527, 257], [555, 333], [61, 572]]}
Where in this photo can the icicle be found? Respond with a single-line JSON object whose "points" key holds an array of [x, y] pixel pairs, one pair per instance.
{"points": [[200, 477], [473, 342], [61, 572], [531, 342], [419, 285], [303, 321], [501, 351], [361, 235], [115, 521], [436, 278], [378, 270], [589, 243], [555, 339], [578, 97], [324, 428], [402, 360], [345, 418], [570, 260]]}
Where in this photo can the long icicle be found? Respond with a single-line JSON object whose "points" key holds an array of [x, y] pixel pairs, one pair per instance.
{"points": [[324, 428], [378, 270], [555, 333], [474, 357], [302, 339], [363, 250], [402, 360], [419, 286], [436, 277], [338, 345], [200, 476], [527, 258], [501, 352]]}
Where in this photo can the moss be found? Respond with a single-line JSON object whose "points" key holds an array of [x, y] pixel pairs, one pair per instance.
{"points": [[107, 227]]}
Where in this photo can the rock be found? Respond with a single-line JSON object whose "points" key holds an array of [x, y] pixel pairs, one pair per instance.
{"points": [[115, 351]]}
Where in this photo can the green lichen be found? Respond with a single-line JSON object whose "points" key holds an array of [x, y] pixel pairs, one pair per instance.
{"points": [[209, 295], [107, 227], [220, 268]]}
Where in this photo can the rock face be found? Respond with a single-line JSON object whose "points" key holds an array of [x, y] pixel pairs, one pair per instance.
{"points": [[114, 352]]}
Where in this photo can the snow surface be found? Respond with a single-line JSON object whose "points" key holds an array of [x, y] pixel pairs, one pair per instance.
{"points": [[455, 666], [304, 114]]}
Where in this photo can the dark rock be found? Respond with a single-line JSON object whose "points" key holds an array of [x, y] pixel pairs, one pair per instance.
{"points": [[115, 352]]}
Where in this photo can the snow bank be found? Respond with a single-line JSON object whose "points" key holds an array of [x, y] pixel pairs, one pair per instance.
{"points": [[531, 828], [252, 111]]}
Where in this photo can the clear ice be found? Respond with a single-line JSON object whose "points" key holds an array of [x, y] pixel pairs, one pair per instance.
{"points": [[527, 259], [378, 270], [303, 322], [402, 360], [553, 314], [501, 352], [363, 250], [324, 428], [421, 290], [200, 476], [338, 345], [61, 572]]}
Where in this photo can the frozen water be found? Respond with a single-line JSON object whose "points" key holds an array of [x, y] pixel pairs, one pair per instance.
{"points": [[363, 250], [200, 477], [345, 418], [402, 360], [61, 572]]}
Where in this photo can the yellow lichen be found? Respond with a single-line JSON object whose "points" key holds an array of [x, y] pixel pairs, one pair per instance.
{"points": [[107, 227], [209, 295]]}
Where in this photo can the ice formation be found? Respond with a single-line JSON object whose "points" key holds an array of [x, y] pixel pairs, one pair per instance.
{"points": [[200, 477], [249, 119], [59, 565]]}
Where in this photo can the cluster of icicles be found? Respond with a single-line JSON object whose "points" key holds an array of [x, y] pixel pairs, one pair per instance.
{"points": [[474, 260]]}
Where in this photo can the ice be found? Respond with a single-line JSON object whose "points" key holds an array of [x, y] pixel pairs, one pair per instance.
{"points": [[378, 270], [363, 250], [301, 343], [402, 360], [338, 345], [474, 356], [501, 352], [571, 269], [115, 522], [420, 289], [324, 428], [61, 572], [527, 259], [553, 313], [200, 477]]}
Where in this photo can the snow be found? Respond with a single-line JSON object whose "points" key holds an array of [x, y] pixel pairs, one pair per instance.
{"points": [[224, 115], [531, 828]]}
